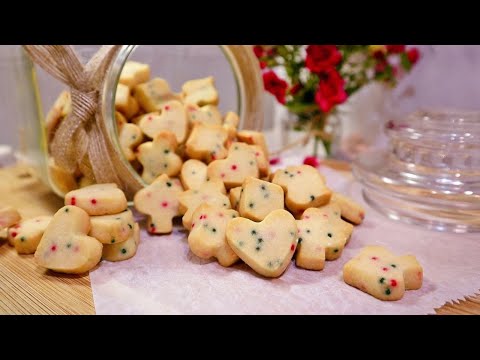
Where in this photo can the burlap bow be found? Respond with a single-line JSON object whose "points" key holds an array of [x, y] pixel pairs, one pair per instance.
{"points": [[80, 140]]}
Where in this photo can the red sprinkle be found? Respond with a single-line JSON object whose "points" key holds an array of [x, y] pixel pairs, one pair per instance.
{"points": [[73, 201], [234, 167], [164, 204], [220, 215], [257, 154], [93, 201], [16, 226], [167, 107], [299, 172], [292, 247], [274, 161], [374, 258], [13, 234], [76, 249], [53, 248], [385, 269], [306, 217], [150, 118], [193, 225], [153, 229], [393, 282], [222, 175]]}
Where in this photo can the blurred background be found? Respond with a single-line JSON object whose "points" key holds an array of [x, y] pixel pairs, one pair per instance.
{"points": [[445, 76]]}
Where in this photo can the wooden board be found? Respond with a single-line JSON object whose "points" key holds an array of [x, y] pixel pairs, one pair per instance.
{"points": [[27, 289]]}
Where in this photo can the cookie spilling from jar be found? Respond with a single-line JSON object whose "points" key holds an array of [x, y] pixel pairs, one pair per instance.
{"points": [[158, 129]]}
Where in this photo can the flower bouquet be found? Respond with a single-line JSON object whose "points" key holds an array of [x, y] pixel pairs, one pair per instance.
{"points": [[318, 78]]}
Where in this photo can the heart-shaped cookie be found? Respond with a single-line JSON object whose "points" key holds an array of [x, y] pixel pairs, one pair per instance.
{"points": [[200, 92], [267, 247], [65, 246], [207, 143], [193, 174], [152, 95]]}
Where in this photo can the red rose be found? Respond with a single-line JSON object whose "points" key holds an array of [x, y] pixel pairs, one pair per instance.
{"points": [[263, 65], [413, 55], [258, 50], [380, 66], [312, 161], [276, 86], [320, 57], [330, 90], [395, 49]]}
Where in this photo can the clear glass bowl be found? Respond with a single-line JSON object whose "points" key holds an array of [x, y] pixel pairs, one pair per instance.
{"points": [[430, 173]]}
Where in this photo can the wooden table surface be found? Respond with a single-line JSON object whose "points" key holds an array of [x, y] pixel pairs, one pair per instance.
{"points": [[25, 288]]}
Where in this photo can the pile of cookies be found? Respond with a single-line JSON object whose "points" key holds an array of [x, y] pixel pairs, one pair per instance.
{"points": [[95, 223]]}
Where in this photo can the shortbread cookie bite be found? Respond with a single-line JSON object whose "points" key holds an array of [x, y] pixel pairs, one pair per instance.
{"points": [[267, 247], [160, 201], [240, 164], [207, 143], [158, 157], [378, 272], [234, 196], [212, 192], [130, 136], [322, 235], [125, 250], [193, 174], [351, 210], [253, 138], [304, 187], [8, 217], [26, 235], [134, 73], [207, 237], [259, 198], [112, 229], [98, 199], [172, 118], [200, 92], [154, 94], [65, 246], [208, 114]]}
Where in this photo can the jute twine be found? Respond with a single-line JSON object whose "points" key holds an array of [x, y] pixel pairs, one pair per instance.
{"points": [[81, 140]]}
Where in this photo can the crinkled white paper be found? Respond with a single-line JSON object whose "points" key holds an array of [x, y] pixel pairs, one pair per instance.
{"points": [[166, 278]]}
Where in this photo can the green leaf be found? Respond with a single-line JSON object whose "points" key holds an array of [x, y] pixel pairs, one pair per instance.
{"points": [[407, 65], [301, 108]]}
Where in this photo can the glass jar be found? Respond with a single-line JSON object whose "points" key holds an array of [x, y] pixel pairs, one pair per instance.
{"points": [[234, 68]]}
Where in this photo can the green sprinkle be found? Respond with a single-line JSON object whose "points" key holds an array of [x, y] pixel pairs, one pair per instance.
{"points": [[329, 235], [118, 219], [263, 187], [214, 230], [393, 265], [251, 205], [260, 240], [270, 264], [166, 151], [165, 165], [254, 232], [67, 209], [113, 241], [285, 172], [300, 240], [387, 292], [23, 238], [382, 280], [312, 197], [131, 227], [308, 231], [235, 148], [69, 245], [257, 248], [169, 184], [241, 243], [291, 175], [124, 251], [335, 251]]}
